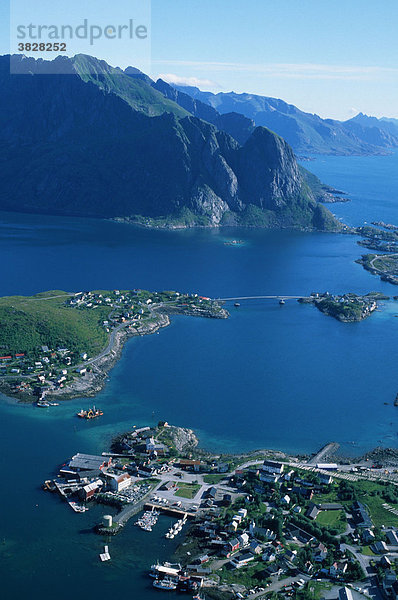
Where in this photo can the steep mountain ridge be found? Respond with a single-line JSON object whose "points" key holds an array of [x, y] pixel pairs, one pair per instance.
{"points": [[305, 132], [93, 145]]}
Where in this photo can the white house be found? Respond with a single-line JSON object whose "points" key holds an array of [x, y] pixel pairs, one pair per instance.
{"points": [[119, 482], [237, 518], [243, 540], [242, 560], [271, 466]]}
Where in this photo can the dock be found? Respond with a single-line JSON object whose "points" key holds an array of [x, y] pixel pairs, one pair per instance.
{"points": [[70, 487], [325, 451], [105, 555], [170, 510]]}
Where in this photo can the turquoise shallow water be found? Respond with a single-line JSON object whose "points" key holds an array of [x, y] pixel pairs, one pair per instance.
{"points": [[286, 378]]}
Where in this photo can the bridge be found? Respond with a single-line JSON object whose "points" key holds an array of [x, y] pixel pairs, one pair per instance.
{"points": [[277, 297]]}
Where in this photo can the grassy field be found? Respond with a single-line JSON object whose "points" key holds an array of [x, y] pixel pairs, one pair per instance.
{"points": [[367, 551], [332, 518], [213, 478], [27, 323], [380, 516], [365, 491], [187, 490]]}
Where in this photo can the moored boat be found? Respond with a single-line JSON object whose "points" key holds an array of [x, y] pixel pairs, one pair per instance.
{"points": [[91, 413], [165, 584]]}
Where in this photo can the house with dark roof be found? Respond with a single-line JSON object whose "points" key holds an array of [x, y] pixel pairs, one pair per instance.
{"points": [[320, 553], [360, 515], [312, 511]]}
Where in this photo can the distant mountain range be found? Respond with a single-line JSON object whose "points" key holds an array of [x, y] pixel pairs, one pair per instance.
{"points": [[307, 133], [103, 142]]}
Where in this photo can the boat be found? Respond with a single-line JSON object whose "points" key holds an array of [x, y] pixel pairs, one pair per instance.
{"points": [[165, 584], [237, 304], [234, 243], [49, 486], [148, 520], [281, 302], [91, 413], [42, 403], [167, 569]]}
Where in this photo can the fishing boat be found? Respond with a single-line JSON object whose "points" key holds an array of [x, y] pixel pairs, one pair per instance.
{"points": [[49, 486], [233, 243], [91, 413], [42, 403], [165, 584]]}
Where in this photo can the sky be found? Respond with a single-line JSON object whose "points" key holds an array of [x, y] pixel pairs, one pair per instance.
{"points": [[334, 58]]}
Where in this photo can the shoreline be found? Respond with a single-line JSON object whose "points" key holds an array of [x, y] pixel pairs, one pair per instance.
{"points": [[93, 382]]}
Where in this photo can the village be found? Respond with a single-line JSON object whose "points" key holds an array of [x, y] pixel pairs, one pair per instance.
{"points": [[47, 370], [249, 527]]}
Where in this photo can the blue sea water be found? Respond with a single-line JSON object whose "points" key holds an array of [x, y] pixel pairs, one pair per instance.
{"points": [[269, 376]]}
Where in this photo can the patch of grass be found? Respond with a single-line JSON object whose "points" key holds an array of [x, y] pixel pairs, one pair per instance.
{"points": [[27, 323], [249, 576], [379, 514], [367, 551], [370, 494], [187, 490], [332, 518], [214, 478]]}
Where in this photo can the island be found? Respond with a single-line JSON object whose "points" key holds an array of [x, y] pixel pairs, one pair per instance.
{"points": [[59, 345], [261, 523], [347, 308]]}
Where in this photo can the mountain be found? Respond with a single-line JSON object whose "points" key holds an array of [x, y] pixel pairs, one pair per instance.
{"points": [[389, 127], [99, 142], [307, 133], [236, 124]]}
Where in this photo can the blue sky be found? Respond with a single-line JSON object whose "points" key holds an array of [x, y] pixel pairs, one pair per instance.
{"points": [[333, 58]]}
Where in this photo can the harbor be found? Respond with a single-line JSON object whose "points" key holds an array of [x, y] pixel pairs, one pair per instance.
{"points": [[171, 576]]}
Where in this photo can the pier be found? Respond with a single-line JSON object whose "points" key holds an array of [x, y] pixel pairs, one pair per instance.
{"points": [[325, 451], [170, 510]]}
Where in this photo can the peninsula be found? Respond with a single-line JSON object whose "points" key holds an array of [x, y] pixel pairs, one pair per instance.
{"points": [[383, 265], [61, 345]]}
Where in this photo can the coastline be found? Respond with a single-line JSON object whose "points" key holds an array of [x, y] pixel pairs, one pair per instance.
{"points": [[94, 381]]}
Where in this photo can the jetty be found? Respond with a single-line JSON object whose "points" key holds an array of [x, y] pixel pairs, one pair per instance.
{"points": [[325, 451], [170, 510]]}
